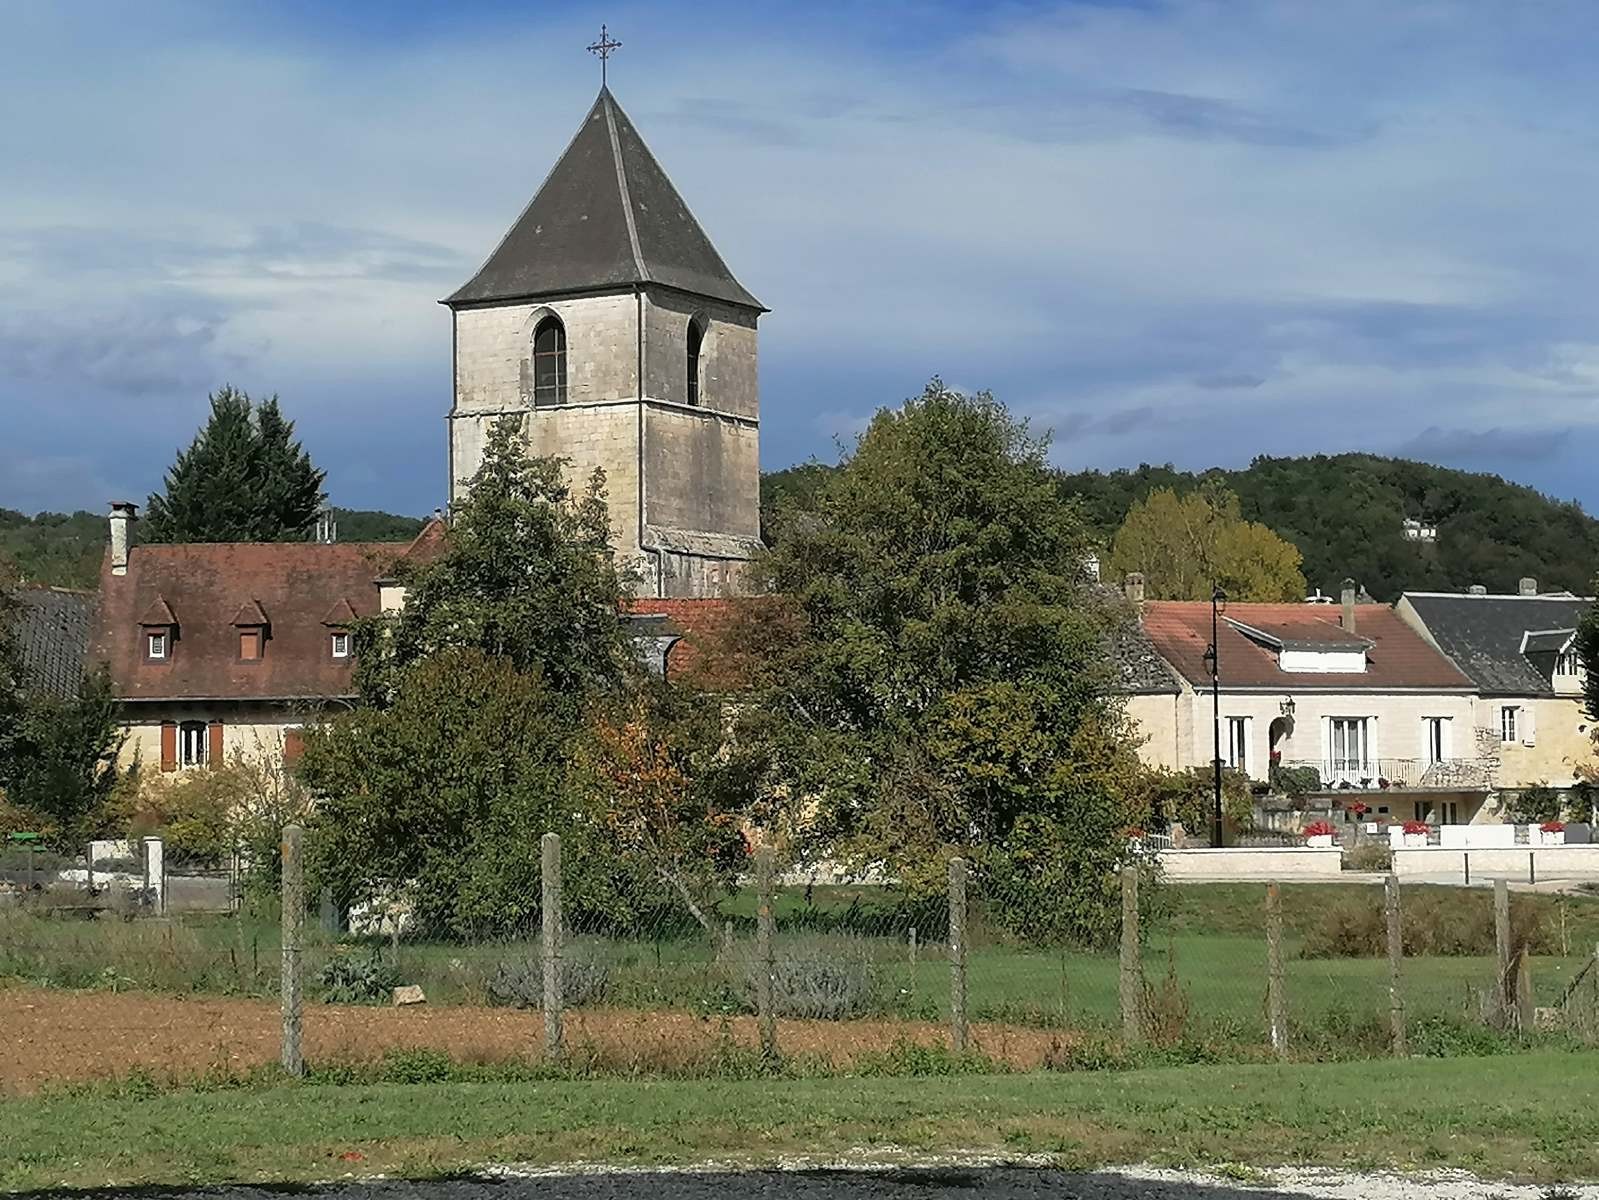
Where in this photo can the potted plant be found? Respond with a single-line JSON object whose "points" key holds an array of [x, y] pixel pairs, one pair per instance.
{"points": [[1552, 833], [1319, 834], [1415, 833]]}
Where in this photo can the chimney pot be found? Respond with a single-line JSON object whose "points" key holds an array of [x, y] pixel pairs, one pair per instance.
{"points": [[1133, 587], [1476, 589], [123, 514], [1529, 586], [1347, 616]]}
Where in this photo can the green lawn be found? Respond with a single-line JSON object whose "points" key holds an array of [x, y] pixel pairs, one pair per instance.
{"points": [[1519, 1115], [1208, 936]]}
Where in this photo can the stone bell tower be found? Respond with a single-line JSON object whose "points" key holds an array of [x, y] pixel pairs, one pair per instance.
{"points": [[607, 321]]}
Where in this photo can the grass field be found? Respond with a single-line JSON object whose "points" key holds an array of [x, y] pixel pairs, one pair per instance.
{"points": [[1204, 957], [1524, 1115]]}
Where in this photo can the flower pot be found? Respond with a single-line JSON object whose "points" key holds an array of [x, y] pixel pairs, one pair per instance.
{"points": [[1320, 841], [1414, 839], [1548, 838]]}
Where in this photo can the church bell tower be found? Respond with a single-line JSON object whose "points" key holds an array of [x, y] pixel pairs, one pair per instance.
{"points": [[608, 322]]}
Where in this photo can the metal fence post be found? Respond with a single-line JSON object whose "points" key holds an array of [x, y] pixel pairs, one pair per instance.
{"points": [[293, 898], [1276, 1006], [1504, 983], [550, 944], [766, 953], [1131, 986], [958, 1031], [1396, 954]]}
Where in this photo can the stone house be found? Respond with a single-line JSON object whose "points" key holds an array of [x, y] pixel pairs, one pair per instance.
{"points": [[1352, 700], [218, 649], [607, 323], [1518, 650]]}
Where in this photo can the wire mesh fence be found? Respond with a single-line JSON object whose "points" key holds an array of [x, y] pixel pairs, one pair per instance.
{"points": [[815, 972]]}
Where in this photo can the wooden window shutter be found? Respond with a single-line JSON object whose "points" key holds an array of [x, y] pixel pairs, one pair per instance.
{"points": [[214, 750], [169, 745], [293, 746]]}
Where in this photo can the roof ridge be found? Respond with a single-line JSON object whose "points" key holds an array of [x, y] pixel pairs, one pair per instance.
{"points": [[621, 182]]}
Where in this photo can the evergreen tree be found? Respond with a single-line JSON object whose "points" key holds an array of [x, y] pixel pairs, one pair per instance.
{"points": [[243, 479]]}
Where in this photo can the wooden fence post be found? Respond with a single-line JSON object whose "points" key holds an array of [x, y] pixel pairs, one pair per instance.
{"points": [[765, 953], [958, 1030], [293, 903], [550, 942], [913, 960], [1396, 954], [1504, 995], [1526, 1011], [1131, 988], [1276, 1003]]}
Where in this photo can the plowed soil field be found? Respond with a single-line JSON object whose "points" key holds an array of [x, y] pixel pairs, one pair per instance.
{"points": [[53, 1036]]}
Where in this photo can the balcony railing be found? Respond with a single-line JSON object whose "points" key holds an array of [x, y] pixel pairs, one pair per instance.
{"points": [[1388, 774]]}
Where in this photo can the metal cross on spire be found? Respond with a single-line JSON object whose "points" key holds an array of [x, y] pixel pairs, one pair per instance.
{"points": [[605, 47]]}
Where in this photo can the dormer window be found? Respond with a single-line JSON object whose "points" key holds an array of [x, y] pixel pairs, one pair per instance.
{"points": [[1567, 663], [341, 645], [254, 629], [338, 621], [158, 629], [155, 645]]}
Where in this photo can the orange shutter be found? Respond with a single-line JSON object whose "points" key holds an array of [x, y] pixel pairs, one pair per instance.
{"points": [[214, 751], [169, 746], [293, 746]]}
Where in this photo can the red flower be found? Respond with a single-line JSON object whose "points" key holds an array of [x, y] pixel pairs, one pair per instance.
{"points": [[1360, 808], [1553, 827], [1417, 827], [1319, 829]]}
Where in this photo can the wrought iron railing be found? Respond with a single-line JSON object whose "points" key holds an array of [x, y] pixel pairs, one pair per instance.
{"points": [[1383, 774]]}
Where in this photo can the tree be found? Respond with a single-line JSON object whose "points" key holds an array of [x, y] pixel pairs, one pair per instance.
{"points": [[11, 681], [935, 679], [527, 575], [670, 792], [1185, 546], [61, 764], [243, 479]]}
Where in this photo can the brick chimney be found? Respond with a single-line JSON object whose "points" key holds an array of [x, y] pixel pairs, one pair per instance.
{"points": [[1133, 588], [1347, 598], [1529, 586], [123, 515]]}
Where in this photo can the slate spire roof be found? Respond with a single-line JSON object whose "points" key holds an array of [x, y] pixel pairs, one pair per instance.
{"points": [[607, 216]]}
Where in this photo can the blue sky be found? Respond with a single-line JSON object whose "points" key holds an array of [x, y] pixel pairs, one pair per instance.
{"points": [[1179, 230]]}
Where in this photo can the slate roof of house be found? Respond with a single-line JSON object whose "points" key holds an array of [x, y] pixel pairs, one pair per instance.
{"points": [[1397, 657], [607, 216], [54, 629], [202, 588], [1482, 635]]}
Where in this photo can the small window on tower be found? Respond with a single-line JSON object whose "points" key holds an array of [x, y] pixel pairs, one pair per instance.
{"points": [[156, 645], [549, 362], [696, 339], [341, 645]]}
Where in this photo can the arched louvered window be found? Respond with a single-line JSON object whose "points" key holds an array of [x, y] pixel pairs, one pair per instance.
{"points": [[696, 338], [549, 362]]}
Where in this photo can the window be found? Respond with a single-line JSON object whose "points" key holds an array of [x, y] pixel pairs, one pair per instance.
{"points": [[696, 339], [1435, 732], [1238, 743], [156, 645], [192, 740], [1349, 749], [341, 645], [249, 644], [549, 362], [1566, 662], [1507, 723]]}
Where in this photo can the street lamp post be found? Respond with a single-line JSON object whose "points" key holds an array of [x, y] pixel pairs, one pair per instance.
{"points": [[1218, 600]]}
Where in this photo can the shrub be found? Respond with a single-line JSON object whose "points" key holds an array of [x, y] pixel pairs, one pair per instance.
{"points": [[519, 982], [1436, 921], [820, 983], [1368, 856], [1295, 781], [354, 976]]}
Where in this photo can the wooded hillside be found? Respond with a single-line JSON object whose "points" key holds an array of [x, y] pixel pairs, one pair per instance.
{"points": [[65, 550], [1346, 515]]}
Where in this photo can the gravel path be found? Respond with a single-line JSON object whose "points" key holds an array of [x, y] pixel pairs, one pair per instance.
{"points": [[954, 1182]]}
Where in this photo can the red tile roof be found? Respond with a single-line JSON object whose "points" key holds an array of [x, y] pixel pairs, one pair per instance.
{"points": [[203, 589], [1397, 656], [703, 654]]}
